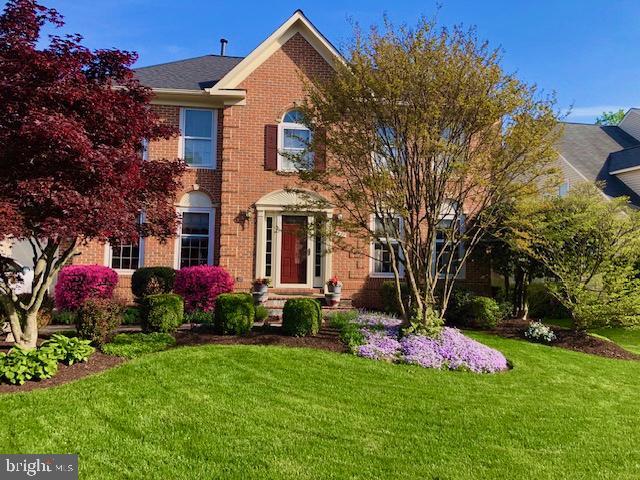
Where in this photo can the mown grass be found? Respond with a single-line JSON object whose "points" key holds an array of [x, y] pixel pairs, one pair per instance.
{"points": [[269, 412]]}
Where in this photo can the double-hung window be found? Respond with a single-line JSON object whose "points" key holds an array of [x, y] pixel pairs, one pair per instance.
{"points": [[448, 247], [199, 137], [294, 140], [125, 257], [195, 238], [381, 248]]}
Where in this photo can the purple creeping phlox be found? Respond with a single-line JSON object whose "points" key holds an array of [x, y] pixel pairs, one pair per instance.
{"points": [[450, 349]]}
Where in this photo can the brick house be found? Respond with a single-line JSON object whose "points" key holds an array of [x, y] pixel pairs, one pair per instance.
{"points": [[235, 116]]}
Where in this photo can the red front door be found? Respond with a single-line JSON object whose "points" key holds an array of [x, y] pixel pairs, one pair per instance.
{"points": [[293, 254]]}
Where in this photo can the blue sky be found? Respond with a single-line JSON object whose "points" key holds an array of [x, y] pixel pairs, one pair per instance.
{"points": [[585, 50]]}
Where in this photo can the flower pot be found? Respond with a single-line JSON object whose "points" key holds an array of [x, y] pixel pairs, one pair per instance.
{"points": [[334, 288], [332, 299], [260, 297], [262, 289]]}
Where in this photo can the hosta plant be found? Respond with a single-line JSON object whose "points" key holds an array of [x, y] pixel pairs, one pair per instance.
{"points": [[20, 365], [69, 350]]}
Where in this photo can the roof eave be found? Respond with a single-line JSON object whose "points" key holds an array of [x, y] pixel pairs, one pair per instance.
{"points": [[206, 97]]}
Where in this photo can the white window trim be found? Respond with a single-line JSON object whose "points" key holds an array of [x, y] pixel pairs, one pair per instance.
{"points": [[214, 137], [108, 257], [212, 222], [372, 260], [282, 126]]}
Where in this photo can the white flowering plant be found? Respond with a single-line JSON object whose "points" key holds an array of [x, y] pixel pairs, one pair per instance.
{"points": [[539, 332]]}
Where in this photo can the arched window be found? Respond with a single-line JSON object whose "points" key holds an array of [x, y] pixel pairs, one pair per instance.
{"points": [[195, 234], [293, 141]]}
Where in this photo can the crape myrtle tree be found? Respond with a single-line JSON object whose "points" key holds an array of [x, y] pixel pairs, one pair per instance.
{"points": [[72, 125], [590, 246], [426, 137]]}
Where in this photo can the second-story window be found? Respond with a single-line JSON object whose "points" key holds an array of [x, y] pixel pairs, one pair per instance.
{"points": [[198, 137], [294, 140]]}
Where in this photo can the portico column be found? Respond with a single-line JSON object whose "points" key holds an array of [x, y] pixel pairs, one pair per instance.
{"points": [[260, 243]]}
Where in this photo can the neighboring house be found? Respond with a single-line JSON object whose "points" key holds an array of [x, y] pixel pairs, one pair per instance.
{"points": [[236, 116], [608, 154]]}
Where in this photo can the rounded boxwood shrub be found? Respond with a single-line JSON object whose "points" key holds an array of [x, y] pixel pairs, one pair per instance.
{"points": [[152, 280], [97, 319], [542, 304], [201, 285], [78, 283], [301, 317], [234, 313], [262, 313], [484, 312], [162, 313]]}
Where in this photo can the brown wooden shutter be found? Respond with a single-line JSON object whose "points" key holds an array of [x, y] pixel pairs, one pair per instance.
{"points": [[320, 157], [270, 147]]}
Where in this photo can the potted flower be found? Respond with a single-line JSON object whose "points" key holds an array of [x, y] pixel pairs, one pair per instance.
{"points": [[334, 291], [334, 285], [261, 285], [260, 289]]}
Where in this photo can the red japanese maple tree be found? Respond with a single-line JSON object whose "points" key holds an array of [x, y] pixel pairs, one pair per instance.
{"points": [[71, 129]]}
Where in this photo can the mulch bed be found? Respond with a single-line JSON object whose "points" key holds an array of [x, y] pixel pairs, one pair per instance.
{"points": [[326, 339], [568, 339]]}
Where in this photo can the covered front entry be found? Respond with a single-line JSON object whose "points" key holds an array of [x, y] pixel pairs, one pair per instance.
{"points": [[293, 250], [287, 251]]}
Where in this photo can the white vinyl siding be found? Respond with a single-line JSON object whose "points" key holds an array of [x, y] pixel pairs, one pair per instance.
{"points": [[631, 179], [631, 123]]}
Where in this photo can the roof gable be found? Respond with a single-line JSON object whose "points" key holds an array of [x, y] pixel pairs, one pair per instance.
{"points": [[297, 23]]}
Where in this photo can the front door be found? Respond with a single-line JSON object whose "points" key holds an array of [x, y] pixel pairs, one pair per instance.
{"points": [[293, 254]]}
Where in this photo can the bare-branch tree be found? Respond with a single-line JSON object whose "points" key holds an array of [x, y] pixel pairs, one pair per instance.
{"points": [[425, 137]]}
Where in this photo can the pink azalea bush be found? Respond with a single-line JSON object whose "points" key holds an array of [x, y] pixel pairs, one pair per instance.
{"points": [[200, 286], [449, 350], [78, 283]]}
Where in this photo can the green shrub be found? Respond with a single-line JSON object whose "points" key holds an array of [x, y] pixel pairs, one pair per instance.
{"points": [[234, 313], [484, 312], [69, 350], [340, 319], [18, 366], [262, 313], [64, 317], [544, 305], [162, 313], [199, 316], [131, 316], [301, 317], [468, 310], [133, 345], [152, 281], [351, 335], [97, 318], [457, 312], [389, 298]]}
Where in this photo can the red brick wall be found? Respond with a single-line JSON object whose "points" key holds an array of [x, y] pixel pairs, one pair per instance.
{"points": [[240, 179]]}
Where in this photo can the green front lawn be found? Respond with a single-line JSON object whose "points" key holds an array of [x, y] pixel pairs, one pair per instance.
{"points": [[273, 412]]}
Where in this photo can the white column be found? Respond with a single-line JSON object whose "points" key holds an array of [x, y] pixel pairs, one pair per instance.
{"points": [[327, 258], [261, 243]]}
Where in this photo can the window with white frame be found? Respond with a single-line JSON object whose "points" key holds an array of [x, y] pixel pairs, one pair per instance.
{"points": [[448, 247], [195, 237], [198, 128], [293, 141], [127, 256], [381, 261]]}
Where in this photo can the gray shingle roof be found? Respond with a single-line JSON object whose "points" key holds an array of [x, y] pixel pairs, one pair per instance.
{"points": [[589, 149], [190, 74], [627, 158]]}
